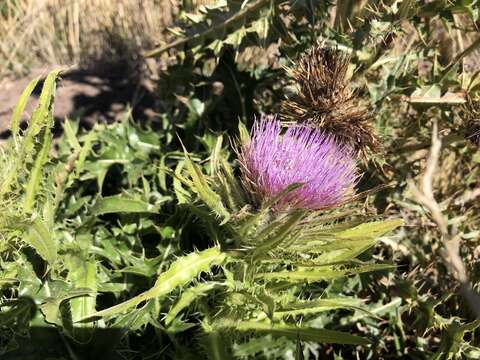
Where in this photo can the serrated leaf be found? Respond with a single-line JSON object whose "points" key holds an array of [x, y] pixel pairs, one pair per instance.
{"points": [[277, 234], [206, 194], [370, 230], [36, 173], [42, 118], [51, 307], [122, 204], [319, 274], [38, 236], [20, 107], [71, 137], [180, 273], [85, 150], [318, 306], [244, 135], [187, 297], [84, 275], [297, 333]]}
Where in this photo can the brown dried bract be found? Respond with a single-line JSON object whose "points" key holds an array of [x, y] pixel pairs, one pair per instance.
{"points": [[325, 100], [472, 120]]}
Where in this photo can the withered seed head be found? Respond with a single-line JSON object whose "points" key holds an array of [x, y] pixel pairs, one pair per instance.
{"points": [[472, 121], [474, 130], [325, 100]]}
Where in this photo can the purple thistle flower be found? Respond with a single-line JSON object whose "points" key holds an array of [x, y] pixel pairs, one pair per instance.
{"points": [[271, 162]]}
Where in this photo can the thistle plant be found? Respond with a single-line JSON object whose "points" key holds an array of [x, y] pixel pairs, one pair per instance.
{"points": [[26, 195], [277, 237], [275, 232]]}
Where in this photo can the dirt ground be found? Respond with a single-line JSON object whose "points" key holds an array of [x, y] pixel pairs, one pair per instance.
{"points": [[91, 97]]}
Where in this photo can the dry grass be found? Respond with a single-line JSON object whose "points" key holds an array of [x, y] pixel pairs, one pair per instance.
{"points": [[67, 32]]}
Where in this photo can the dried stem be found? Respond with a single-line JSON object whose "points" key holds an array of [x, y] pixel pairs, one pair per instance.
{"points": [[450, 239]]}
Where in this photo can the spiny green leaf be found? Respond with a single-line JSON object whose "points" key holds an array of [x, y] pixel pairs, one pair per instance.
{"points": [[345, 244], [277, 236], [215, 156], [41, 118], [181, 272], [51, 307], [244, 135], [370, 230], [83, 274], [86, 148], [255, 219], [349, 251], [317, 306], [236, 190], [42, 115], [38, 236], [189, 296], [36, 173], [122, 204], [203, 190], [292, 332], [71, 137], [319, 274], [20, 107]]}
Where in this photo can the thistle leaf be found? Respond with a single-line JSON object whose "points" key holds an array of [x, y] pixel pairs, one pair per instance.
{"points": [[370, 230], [51, 308], [345, 244], [244, 135], [215, 156], [122, 204], [294, 333], [180, 273], [36, 173], [317, 306], [282, 232], [189, 296], [253, 220], [42, 118], [206, 194], [20, 107], [41, 239], [319, 274], [71, 137], [84, 275], [42, 115]]}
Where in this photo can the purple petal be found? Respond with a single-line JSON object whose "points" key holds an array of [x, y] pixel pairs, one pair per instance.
{"points": [[272, 161]]}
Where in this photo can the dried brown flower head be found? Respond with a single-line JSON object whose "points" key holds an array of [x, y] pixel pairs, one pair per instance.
{"points": [[325, 100], [472, 121]]}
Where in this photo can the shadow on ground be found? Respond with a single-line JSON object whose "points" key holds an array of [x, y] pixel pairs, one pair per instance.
{"points": [[91, 96], [49, 343]]}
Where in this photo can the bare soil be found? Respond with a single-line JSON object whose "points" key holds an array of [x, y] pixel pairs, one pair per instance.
{"points": [[84, 94]]}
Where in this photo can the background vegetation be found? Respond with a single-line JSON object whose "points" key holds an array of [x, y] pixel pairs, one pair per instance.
{"points": [[92, 218]]}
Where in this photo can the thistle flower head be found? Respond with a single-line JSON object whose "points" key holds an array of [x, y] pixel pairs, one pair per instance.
{"points": [[272, 161], [326, 100]]}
